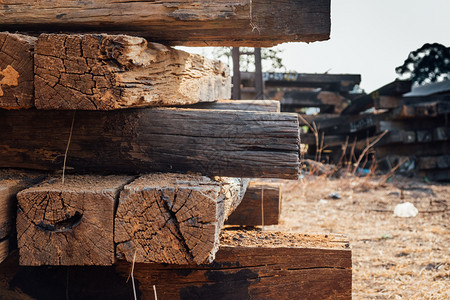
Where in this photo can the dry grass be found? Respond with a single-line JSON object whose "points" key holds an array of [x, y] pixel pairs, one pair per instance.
{"points": [[393, 258]]}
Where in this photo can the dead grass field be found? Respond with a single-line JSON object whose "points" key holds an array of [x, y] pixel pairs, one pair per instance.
{"points": [[393, 257]]}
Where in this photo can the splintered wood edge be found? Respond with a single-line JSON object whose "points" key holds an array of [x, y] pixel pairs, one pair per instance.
{"points": [[267, 239], [4, 250], [82, 182]]}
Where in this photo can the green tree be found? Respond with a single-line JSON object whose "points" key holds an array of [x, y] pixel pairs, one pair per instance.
{"points": [[429, 63]]}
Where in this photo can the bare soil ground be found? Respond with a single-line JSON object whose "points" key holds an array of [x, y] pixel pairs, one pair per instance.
{"points": [[393, 257]]}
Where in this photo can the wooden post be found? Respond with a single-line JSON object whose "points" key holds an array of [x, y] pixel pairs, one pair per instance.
{"points": [[259, 82], [174, 218], [236, 73], [260, 197], [210, 142], [257, 265], [104, 72], [70, 223], [16, 71]]}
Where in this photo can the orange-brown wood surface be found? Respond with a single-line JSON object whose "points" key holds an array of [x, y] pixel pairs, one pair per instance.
{"points": [[16, 70]]}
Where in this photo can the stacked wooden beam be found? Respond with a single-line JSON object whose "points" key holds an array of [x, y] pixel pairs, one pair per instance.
{"points": [[413, 123], [153, 155], [297, 92], [84, 118]]}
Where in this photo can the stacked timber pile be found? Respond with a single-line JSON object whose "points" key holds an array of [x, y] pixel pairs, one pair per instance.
{"points": [[153, 156], [400, 125], [296, 92]]}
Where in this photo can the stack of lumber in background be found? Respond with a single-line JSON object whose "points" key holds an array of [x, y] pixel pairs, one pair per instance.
{"points": [[298, 92], [408, 127], [154, 158]]}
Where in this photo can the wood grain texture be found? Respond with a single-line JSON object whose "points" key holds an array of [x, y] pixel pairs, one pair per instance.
{"points": [[327, 82], [16, 70], [11, 182], [178, 22], [174, 218], [245, 105], [257, 265], [104, 72], [210, 142], [70, 223], [260, 198], [4, 249]]}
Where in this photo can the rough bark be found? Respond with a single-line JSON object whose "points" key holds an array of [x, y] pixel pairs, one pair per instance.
{"points": [[258, 23], [260, 199], [173, 218], [257, 265], [16, 70], [70, 223], [104, 72], [211, 142]]}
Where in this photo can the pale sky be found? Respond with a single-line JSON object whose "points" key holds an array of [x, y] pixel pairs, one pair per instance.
{"points": [[371, 38]]}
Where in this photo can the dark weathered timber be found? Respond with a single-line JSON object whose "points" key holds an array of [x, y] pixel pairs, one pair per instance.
{"points": [[441, 134], [434, 162], [421, 110], [256, 265], [178, 22], [436, 174], [327, 140], [328, 82], [415, 149], [261, 205], [174, 218], [16, 70], [246, 105], [322, 121], [68, 223], [394, 88], [377, 97], [387, 102], [11, 182], [211, 142], [292, 100], [59, 282], [105, 72], [359, 104]]}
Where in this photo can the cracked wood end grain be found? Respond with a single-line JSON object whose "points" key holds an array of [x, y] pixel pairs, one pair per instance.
{"points": [[174, 218], [16, 71], [70, 224], [105, 72]]}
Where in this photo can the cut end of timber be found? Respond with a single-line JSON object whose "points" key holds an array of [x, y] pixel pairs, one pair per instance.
{"points": [[11, 182], [68, 224], [105, 72], [16, 71], [173, 218]]}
